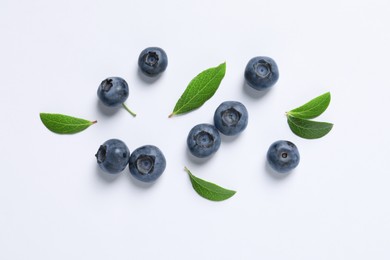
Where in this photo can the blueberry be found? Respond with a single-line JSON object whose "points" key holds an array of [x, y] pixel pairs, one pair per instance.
{"points": [[203, 140], [283, 156], [113, 156], [261, 73], [147, 163], [153, 61], [231, 118], [113, 91]]}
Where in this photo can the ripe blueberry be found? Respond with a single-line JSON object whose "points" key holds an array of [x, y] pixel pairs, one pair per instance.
{"points": [[203, 140], [231, 118], [147, 163], [261, 73], [152, 61], [113, 91], [283, 156], [113, 156]]}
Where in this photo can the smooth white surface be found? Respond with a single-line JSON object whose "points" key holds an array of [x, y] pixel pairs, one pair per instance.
{"points": [[56, 204]]}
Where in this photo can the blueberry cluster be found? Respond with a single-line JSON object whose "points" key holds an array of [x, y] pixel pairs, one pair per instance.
{"points": [[261, 73], [146, 163], [114, 91], [230, 118]]}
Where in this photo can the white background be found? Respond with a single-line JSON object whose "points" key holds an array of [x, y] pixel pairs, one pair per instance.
{"points": [[56, 204]]}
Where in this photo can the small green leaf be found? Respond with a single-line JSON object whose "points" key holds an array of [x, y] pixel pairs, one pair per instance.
{"points": [[200, 89], [307, 128], [313, 108], [209, 190], [63, 124]]}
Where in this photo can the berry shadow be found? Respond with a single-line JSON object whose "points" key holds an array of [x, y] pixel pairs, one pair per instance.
{"points": [[253, 93], [137, 183], [195, 159], [148, 80], [105, 110], [274, 174], [229, 139], [106, 177]]}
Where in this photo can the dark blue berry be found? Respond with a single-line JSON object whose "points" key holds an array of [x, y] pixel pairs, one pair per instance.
{"points": [[147, 163], [113, 91], [261, 73], [152, 61], [113, 156], [203, 140], [283, 156], [231, 118]]}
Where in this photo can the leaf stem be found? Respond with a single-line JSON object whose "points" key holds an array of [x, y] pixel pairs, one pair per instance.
{"points": [[94, 122], [187, 170], [128, 110]]}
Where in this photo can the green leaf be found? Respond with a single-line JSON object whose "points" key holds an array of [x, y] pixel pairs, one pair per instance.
{"points": [[200, 89], [209, 190], [307, 128], [313, 108], [63, 124]]}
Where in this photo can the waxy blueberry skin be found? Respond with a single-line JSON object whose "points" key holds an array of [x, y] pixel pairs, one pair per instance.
{"points": [[231, 118], [203, 140], [261, 73], [152, 61], [283, 156], [147, 163], [113, 91], [113, 156]]}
